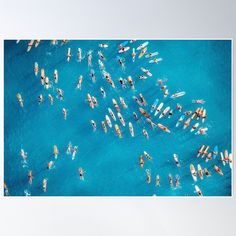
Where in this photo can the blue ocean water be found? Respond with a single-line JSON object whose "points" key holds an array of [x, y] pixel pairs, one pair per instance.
{"points": [[201, 68]]}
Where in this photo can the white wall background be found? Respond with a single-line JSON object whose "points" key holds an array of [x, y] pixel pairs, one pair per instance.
{"points": [[115, 19]]}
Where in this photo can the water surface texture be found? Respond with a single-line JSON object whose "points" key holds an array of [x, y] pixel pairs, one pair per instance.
{"points": [[200, 68]]}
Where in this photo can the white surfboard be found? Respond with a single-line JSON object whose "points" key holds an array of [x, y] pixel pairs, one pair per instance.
{"points": [[149, 55], [111, 114], [159, 108], [193, 172], [143, 45], [108, 121], [131, 129], [176, 95], [124, 49], [164, 112], [199, 192]]}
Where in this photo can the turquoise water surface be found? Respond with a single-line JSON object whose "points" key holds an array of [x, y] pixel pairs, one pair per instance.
{"points": [[201, 68]]}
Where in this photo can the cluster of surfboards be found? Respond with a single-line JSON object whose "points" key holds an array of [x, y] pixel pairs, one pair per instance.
{"points": [[204, 152]]}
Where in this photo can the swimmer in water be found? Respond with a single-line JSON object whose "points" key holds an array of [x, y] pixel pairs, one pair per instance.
{"points": [[30, 177], [153, 125], [176, 159], [36, 68], [115, 105], [195, 113], [122, 82], [186, 113], [79, 84], [170, 180], [68, 56], [68, 150], [218, 170], [135, 116], [94, 101], [53, 42], [101, 56], [81, 173], [122, 101], [30, 45], [101, 65], [79, 55], [50, 99], [55, 76], [92, 74], [194, 127], [142, 77], [108, 121], [161, 82], [142, 53], [89, 99], [199, 192], [204, 115], [131, 129], [144, 113], [187, 123], [170, 113], [47, 83], [155, 60], [202, 131], [179, 107], [157, 180], [142, 99], [164, 128], [117, 129], [93, 125], [152, 54], [20, 100], [200, 151], [131, 83], [200, 172], [198, 101], [6, 191], [137, 101], [60, 93], [55, 151], [148, 173], [122, 121], [50, 165], [75, 149], [147, 155], [23, 154], [145, 133], [209, 157], [90, 56], [111, 114], [133, 54], [103, 45], [205, 151], [141, 161], [42, 76], [177, 180], [64, 41], [199, 113], [64, 111], [104, 126], [166, 93], [146, 71], [121, 62], [108, 79], [44, 185], [103, 92], [207, 173]]}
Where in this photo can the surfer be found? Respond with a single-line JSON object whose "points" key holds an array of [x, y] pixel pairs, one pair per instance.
{"points": [[81, 173]]}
